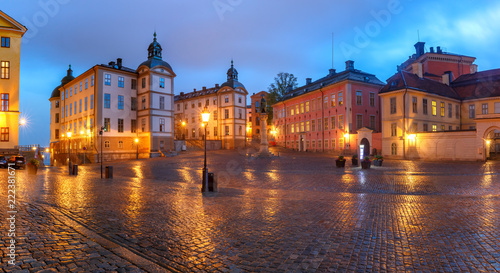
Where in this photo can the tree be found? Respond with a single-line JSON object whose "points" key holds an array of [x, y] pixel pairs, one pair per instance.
{"points": [[278, 89]]}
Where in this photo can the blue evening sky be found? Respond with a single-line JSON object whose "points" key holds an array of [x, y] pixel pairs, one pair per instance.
{"points": [[264, 37]]}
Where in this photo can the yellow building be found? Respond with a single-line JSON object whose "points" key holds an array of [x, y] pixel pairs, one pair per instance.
{"points": [[11, 33]]}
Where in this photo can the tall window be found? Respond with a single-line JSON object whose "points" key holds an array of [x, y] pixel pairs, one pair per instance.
{"points": [[120, 125], [332, 121], [4, 132], [301, 126], [434, 108], [325, 102], [57, 118], [240, 130], [162, 82], [91, 101], [226, 113], [162, 102], [121, 82], [325, 125], [394, 149], [92, 80], [80, 106], [5, 41], [76, 89], [66, 111], [133, 125], [107, 124], [162, 125], [393, 105], [302, 108], [86, 103], [215, 115], [226, 99], [215, 131], [240, 113], [133, 104], [434, 127], [359, 121], [426, 127], [472, 111], [86, 84], [107, 79], [143, 82], [341, 122], [307, 126], [120, 102], [81, 87], [341, 99], [414, 104], [239, 99], [372, 122], [143, 124], [143, 102], [106, 144], [484, 108], [333, 100], [372, 99], [226, 130], [442, 109], [5, 69], [133, 84], [107, 100], [71, 109], [5, 102], [120, 144], [424, 105], [450, 110], [359, 98], [207, 102], [394, 129]]}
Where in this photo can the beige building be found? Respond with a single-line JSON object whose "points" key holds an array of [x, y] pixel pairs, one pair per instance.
{"points": [[11, 33], [227, 106], [455, 116], [128, 104]]}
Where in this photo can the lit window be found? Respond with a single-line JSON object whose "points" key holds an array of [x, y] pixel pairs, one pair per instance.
{"points": [[162, 82], [4, 134], [442, 109], [107, 124], [5, 102], [434, 108]]}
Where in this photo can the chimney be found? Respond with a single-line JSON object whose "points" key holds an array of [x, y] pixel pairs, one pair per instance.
{"points": [[182, 93], [439, 51], [473, 68], [332, 71], [308, 81], [111, 63], [119, 63], [349, 65], [204, 88], [216, 85], [419, 47], [194, 89], [417, 69], [447, 77], [432, 49]]}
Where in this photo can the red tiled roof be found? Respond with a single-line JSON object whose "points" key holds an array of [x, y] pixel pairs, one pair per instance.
{"points": [[482, 84], [413, 81]]}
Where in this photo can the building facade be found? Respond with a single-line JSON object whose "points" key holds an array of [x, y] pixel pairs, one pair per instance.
{"points": [[11, 33], [227, 106], [255, 118], [438, 106], [127, 104], [326, 114]]}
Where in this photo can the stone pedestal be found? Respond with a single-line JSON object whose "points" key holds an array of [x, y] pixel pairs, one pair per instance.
{"points": [[264, 144]]}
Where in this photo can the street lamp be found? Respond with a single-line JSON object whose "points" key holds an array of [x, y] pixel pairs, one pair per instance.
{"points": [[346, 136], [69, 152], [137, 147], [205, 116], [100, 133]]}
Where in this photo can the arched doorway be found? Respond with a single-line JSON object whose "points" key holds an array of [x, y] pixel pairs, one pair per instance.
{"points": [[492, 143], [365, 145]]}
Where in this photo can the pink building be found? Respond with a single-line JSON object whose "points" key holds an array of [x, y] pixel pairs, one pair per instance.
{"points": [[326, 114]]}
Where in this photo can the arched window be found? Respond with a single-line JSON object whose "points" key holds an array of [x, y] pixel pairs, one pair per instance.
{"points": [[394, 149], [106, 144]]}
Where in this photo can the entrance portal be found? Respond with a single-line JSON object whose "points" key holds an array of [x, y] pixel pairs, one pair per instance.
{"points": [[366, 144]]}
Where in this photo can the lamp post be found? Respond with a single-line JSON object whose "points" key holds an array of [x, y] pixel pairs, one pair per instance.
{"points": [[101, 134], [137, 147], [205, 116], [69, 152]]}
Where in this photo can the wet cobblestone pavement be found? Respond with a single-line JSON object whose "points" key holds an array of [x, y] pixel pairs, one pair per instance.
{"points": [[295, 213]]}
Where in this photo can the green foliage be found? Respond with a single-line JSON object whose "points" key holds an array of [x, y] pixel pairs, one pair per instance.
{"points": [[354, 156], [341, 158], [278, 89], [34, 162]]}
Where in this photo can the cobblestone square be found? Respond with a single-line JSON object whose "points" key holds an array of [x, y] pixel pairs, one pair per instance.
{"points": [[293, 213]]}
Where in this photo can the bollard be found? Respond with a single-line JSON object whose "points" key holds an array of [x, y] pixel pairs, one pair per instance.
{"points": [[109, 172], [75, 169], [212, 182]]}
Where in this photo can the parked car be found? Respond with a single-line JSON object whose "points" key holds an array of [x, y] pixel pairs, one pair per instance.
{"points": [[3, 161], [17, 162]]}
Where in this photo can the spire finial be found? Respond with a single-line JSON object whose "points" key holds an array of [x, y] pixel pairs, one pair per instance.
{"points": [[231, 62], [70, 67], [154, 35]]}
